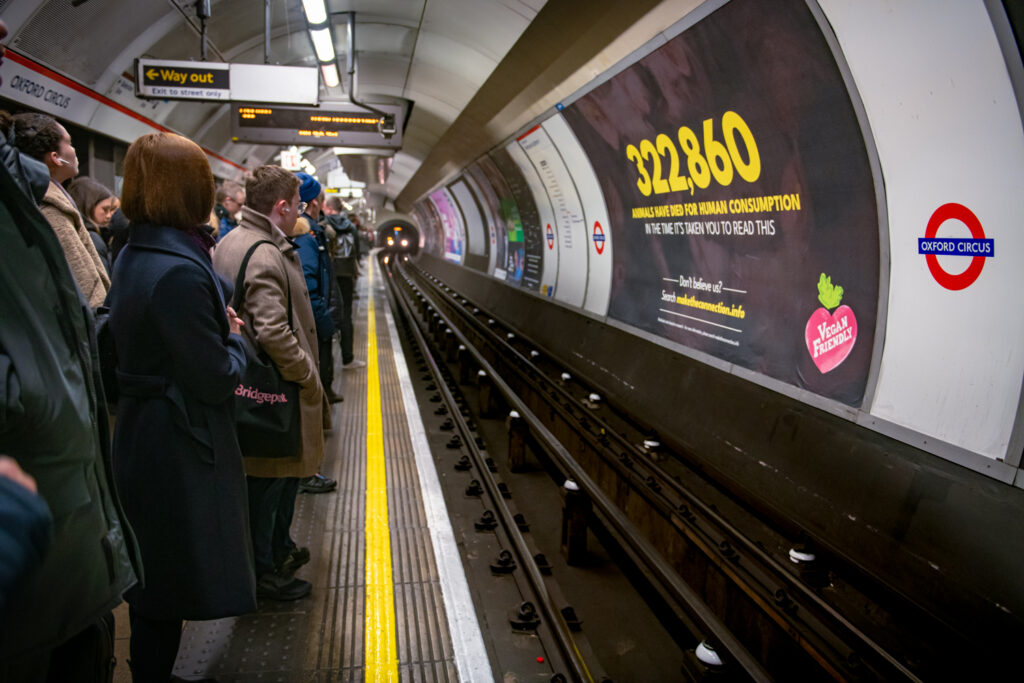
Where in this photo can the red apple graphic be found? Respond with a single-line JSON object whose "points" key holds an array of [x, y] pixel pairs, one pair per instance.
{"points": [[830, 336]]}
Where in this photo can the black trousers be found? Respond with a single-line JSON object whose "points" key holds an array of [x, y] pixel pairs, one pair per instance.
{"points": [[86, 657], [271, 508], [347, 286], [154, 647], [326, 351]]}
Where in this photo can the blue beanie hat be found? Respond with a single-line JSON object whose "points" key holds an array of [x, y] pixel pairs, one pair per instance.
{"points": [[309, 189]]}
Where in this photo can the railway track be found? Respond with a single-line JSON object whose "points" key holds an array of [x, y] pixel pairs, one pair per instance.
{"points": [[760, 595]]}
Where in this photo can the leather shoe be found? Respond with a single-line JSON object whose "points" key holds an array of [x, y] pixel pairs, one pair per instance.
{"points": [[318, 483], [277, 587], [335, 398], [296, 558]]}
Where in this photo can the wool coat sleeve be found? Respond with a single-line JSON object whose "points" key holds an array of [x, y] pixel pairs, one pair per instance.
{"points": [[210, 376], [266, 297]]}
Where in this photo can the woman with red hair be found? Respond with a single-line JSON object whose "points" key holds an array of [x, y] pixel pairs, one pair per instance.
{"points": [[179, 360]]}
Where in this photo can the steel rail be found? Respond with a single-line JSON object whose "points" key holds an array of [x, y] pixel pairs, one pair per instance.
{"points": [[768, 563], [698, 610], [563, 634]]}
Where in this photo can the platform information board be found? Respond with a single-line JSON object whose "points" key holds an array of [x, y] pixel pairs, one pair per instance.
{"points": [[740, 198]]}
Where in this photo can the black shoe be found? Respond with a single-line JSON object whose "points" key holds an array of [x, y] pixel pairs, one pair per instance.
{"points": [[277, 587], [335, 398], [318, 483], [296, 558]]}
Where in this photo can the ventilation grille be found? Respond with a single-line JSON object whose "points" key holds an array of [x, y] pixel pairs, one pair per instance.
{"points": [[65, 37]]}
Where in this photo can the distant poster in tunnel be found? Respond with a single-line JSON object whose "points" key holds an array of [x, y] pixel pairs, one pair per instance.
{"points": [[741, 198], [451, 225]]}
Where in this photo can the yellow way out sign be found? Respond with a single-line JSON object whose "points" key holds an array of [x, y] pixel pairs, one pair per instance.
{"points": [[168, 79]]}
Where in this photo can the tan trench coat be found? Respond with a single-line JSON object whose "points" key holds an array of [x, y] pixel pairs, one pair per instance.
{"points": [[266, 323], [86, 266]]}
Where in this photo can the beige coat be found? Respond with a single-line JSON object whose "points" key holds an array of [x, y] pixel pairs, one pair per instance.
{"points": [[86, 267], [266, 323]]}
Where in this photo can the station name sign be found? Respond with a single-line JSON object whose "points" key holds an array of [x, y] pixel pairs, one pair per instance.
{"points": [[219, 81]]}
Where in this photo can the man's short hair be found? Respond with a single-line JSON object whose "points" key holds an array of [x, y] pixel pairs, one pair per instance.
{"points": [[167, 181], [36, 134], [267, 186], [229, 188], [334, 201]]}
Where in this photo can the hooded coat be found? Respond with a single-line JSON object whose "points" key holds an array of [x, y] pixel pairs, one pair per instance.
{"points": [[176, 455], [264, 310], [53, 422]]}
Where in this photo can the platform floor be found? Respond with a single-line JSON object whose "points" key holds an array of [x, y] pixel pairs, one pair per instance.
{"points": [[383, 553]]}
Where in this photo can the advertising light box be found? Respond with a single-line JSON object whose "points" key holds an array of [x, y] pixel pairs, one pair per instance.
{"points": [[337, 126], [740, 198]]}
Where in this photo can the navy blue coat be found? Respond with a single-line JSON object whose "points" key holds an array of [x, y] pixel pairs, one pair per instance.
{"points": [[176, 456], [316, 266]]}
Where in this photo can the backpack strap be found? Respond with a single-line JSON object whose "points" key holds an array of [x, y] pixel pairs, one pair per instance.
{"points": [[239, 295]]}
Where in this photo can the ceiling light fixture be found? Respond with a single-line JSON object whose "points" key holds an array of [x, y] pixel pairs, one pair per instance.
{"points": [[316, 13], [330, 72], [323, 44]]}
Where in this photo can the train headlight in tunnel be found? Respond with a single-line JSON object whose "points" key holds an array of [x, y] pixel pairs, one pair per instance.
{"points": [[405, 243], [391, 241]]}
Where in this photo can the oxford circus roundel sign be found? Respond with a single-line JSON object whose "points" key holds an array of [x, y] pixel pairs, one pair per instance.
{"points": [[598, 238], [977, 246]]}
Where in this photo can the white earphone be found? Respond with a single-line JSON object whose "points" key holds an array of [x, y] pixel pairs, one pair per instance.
{"points": [[62, 161]]}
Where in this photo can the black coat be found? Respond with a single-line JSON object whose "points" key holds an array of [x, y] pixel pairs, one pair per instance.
{"points": [[53, 422], [176, 456]]}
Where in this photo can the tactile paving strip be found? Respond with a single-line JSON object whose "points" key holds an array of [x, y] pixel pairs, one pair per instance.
{"points": [[320, 638]]}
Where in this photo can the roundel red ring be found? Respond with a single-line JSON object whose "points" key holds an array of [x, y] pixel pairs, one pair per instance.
{"points": [[598, 237], [550, 234], [966, 216]]}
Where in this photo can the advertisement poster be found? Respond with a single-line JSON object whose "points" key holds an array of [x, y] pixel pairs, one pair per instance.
{"points": [[476, 229], [527, 256], [570, 228], [740, 197], [451, 225], [492, 191]]}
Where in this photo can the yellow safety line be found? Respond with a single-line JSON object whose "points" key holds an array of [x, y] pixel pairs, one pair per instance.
{"points": [[381, 658]]}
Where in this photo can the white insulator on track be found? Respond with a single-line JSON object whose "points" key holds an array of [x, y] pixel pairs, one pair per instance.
{"points": [[534, 354], [510, 336], [707, 655], [594, 398], [801, 556], [651, 444], [570, 485]]}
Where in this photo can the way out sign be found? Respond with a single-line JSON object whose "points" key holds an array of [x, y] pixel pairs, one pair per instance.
{"points": [[180, 80]]}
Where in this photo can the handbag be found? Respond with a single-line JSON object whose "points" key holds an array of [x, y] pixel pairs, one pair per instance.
{"points": [[267, 411]]}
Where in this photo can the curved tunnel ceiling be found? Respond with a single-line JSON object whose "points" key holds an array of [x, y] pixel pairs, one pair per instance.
{"points": [[468, 71]]}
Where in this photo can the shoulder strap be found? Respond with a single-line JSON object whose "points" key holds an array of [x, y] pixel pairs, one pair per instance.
{"points": [[239, 295]]}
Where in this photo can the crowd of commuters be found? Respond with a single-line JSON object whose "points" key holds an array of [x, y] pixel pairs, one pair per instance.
{"points": [[171, 516]]}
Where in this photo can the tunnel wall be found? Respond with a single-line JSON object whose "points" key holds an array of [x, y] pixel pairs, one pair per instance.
{"points": [[779, 193]]}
